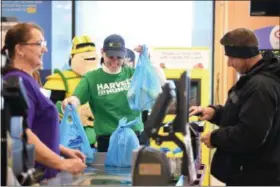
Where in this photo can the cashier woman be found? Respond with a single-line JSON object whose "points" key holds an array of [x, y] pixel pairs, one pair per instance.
{"points": [[106, 91], [24, 47]]}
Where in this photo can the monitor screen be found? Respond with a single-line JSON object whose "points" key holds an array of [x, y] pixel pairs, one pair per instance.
{"points": [[182, 106], [160, 108], [195, 95]]}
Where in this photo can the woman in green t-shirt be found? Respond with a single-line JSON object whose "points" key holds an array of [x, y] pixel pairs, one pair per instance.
{"points": [[106, 91]]}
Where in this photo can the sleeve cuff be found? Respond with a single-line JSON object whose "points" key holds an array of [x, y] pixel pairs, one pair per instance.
{"points": [[215, 119], [213, 138]]}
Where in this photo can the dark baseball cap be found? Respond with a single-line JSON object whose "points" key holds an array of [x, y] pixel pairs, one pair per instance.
{"points": [[114, 45], [130, 55]]}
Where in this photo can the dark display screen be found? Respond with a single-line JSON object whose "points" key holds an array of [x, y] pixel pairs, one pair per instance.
{"points": [[195, 95]]}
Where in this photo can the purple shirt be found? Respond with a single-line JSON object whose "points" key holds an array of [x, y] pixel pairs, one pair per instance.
{"points": [[42, 117]]}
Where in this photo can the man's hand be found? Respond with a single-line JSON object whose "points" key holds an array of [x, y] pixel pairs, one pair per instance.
{"points": [[72, 153], [73, 100], [204, 113], [206, 139]]}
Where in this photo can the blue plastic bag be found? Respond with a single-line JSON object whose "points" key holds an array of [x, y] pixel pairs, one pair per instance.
{"points": [[145, 84], [72, 134], [121, 145]]}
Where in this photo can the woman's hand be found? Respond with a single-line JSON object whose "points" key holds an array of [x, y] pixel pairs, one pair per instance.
{"points": [[138, 49], [73, 100], [72, 165], [72, 153]]}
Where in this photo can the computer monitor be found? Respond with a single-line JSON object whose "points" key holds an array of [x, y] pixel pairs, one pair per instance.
{"points": [[194, 96], [182, 103], [160, 108]]}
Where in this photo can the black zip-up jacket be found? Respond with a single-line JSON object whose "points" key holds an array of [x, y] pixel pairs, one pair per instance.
{"points": [[248, 140]]}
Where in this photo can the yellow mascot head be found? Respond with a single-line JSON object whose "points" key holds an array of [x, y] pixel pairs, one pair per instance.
{"points": [[83, 55]]}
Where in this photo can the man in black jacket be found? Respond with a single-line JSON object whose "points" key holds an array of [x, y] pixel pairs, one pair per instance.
{"points": [[248, 140]]}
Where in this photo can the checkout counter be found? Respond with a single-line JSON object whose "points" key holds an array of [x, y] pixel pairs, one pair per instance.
{"points": [[95, 174], [98, 174]]}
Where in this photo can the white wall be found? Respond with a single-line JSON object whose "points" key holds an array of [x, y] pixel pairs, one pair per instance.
{"points": [[61, 33], [155, 23]]}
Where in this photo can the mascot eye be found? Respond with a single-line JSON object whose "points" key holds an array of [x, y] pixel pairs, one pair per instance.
{"points": [[90, 119], [93, 58]]}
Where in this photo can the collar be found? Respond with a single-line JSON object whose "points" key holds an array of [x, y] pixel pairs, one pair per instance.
{"points": [[257, 67], [247, 76]]}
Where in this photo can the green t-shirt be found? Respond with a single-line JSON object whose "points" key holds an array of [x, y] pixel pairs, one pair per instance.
{"points": [[107, 97]]}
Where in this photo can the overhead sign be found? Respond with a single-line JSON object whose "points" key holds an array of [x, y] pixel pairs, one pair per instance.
{"points": [[38, 12], [180, 57]]}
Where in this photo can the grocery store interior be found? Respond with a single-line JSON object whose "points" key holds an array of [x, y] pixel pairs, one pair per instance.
{"points": [[140, 93]]}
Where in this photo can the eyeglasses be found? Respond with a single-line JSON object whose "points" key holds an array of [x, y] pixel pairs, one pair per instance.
{"points": [[41, 43]]}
